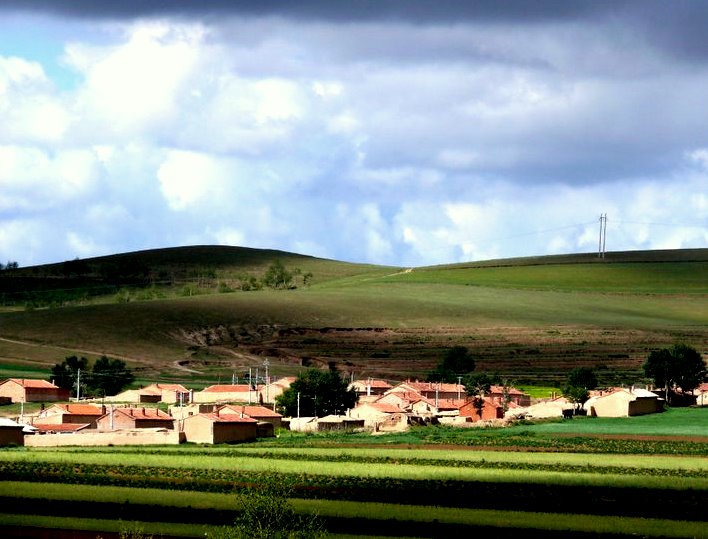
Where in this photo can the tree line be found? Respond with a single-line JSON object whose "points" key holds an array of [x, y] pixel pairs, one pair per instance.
{"points": [[677, 370], [105, 377]]}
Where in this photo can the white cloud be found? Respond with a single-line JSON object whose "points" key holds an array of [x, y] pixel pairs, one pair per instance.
{"points": [[29, 109], [135, 86], [187, 178], [33, 178], [393, 143]]}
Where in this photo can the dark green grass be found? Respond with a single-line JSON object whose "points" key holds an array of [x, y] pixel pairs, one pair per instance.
{"points": [[645, 278], [673, 422], [329, 509]]}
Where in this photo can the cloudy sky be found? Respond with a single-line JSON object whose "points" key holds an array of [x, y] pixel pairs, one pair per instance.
{"points": [[394, 132]]}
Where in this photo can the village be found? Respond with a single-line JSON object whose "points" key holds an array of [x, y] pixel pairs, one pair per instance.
{"points": [[231, 413]]}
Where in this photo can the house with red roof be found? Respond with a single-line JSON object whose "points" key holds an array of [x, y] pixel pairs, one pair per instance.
{"points": [[489, 409], [135, 418], [74, 414], [370, 387], [508, 394], [380, 416], [154, 393], [223, 393], [32, 390], [432, 390], [259, 413], [276, 388], [219, 428]]}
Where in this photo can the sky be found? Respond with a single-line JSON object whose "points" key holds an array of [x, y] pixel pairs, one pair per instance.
{"points": [[394, 132]]}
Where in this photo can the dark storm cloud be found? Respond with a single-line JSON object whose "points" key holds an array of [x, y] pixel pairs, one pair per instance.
{"points": [[423, 11], [676, 26]]}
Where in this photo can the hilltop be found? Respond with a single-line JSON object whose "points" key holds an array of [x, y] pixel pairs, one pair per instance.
{"points": [[179, 314]]}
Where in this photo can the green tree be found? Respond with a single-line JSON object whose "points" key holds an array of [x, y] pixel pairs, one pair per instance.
{"points": [[456, 361], [266, 513], [476, 386], [278, 277], [320, 393], [678, 367], [109, 376], [66, 373], [578, 385]]}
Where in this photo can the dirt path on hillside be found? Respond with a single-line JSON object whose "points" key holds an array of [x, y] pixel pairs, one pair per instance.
{"points": [[76, 350]]}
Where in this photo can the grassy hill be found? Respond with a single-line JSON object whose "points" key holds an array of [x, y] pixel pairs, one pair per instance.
{"points": [[530, 319]]}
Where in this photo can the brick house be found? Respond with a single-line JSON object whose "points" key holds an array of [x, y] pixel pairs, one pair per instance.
{"points": [[431, 390], [624, 403], [154, 393], [370, 387], [510, 394], [30, 390], [135, 418], [76, 414], [380, 416], [490, 410], [229, 393], [218, 428], [11, 432], [259, 413]]}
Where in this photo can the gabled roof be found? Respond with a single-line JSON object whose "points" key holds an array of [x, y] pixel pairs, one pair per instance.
{"points": [[382, 407], [373, 383], [510, 390], [80, 409], [32, 383], [228, 388], [428, 387], [250, 411], [228, 418], [450, 404], [488, 401], [144, 413], [159, 388], [60, 427]]}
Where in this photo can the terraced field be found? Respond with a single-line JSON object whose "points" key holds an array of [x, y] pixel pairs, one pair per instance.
{"points": [[529, 319]]}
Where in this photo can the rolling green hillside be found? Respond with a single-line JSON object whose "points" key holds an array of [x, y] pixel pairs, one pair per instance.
{"points": [[534, 319]]}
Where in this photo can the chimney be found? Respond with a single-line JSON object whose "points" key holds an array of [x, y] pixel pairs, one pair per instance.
{"points": [[103, 409], [243, 409]]}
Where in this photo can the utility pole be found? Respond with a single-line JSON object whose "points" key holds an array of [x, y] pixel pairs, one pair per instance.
{"points": [[78, 384], [267, 380], [298, 406], [459, 385], [603, 236]]}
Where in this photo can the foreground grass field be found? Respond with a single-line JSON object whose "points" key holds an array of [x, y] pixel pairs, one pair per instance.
{"points": [[430, 482]]}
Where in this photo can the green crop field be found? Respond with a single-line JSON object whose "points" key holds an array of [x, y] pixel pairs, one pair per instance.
{"points": [[624, 487]]}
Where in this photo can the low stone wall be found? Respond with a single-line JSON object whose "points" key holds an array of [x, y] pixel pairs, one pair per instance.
{"points": [[120, 437]]}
